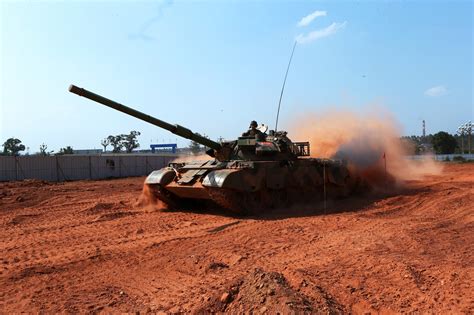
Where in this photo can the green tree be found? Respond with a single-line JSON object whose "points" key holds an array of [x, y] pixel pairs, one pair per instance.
{"points": [[204, 147], [66, 150], [195, 147], [443, 143], [116, 143], [130, 141], [105, 143], [44, 150], [13, 147]]}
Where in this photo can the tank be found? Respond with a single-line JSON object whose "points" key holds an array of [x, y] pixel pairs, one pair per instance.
{"points": [[246, 175]]}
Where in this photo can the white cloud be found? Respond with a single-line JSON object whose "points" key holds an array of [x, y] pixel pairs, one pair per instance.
{"points": [[324, 32], [436, 91], [305, 21]]}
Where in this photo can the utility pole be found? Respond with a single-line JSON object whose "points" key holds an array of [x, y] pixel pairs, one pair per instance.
{"points": [[466, 129], [460, 132], [469, 132], [424, 130]]}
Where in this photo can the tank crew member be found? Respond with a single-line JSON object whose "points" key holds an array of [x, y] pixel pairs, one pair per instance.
{"points": [[253, 131]]}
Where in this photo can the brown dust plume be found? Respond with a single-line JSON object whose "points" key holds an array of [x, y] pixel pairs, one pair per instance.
{"points": [[367, 140]]}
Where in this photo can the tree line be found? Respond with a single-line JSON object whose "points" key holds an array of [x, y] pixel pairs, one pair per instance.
{"points": [[439, 143], [13, 147], [127, 142], [122, 142]]}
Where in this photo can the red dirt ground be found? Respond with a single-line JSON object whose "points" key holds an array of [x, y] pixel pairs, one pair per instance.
{"points": [[86, 246]]}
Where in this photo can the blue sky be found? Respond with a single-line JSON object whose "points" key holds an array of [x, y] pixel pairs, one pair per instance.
{"points": [[214, 66]]}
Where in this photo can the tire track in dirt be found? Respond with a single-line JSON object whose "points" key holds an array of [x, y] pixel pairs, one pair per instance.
{"points": [[407, 252], [75, 249]]}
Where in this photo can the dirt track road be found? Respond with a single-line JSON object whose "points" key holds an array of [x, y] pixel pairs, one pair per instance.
{"points": [[85, 246]]}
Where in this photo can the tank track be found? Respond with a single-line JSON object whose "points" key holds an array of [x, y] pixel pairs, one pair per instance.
{"points": [[171, 201], [227, 199], [254, 203], [248, 203]]}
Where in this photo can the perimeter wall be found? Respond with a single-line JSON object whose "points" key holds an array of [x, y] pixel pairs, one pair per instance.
{"points": [[75, 167]]}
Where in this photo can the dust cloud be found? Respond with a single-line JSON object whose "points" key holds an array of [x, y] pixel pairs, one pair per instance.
{"points": [[191, 158], [366, 139], [149, 201]]}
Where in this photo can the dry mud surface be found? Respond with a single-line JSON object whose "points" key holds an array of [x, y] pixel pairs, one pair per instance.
{"points": [[87, 247]]}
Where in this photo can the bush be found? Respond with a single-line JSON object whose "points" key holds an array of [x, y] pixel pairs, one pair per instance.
{"points": [[459, 158], [444, 143]]}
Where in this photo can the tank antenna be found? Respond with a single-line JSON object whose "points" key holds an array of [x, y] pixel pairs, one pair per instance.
{"points": [[283, 87]]}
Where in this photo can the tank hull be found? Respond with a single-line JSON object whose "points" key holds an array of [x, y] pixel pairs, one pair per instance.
{"points": [[251, 186]]}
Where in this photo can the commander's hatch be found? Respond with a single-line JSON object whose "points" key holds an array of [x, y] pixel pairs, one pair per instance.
{"points": [[263, 128]]}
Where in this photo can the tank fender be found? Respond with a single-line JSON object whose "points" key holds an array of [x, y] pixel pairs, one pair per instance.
{"points": [[241, 180], [162, 177]]}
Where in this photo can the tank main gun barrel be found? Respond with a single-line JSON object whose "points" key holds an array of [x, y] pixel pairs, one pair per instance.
{"points": [[176, 129]]}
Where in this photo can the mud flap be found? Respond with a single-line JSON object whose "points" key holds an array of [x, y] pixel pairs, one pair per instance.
{"points": [[161, 177]]}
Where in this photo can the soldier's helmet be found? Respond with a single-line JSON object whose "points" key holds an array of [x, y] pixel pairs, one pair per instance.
{"points": [[253, 123]]}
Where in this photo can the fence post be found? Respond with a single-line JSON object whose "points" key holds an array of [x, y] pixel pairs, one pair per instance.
{"points": [[57, 168], [120, 166], [16, 167], [90, 168], [19, 169]]}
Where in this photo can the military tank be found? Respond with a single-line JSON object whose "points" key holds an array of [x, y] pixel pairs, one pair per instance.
{"points": [[259, 170]]}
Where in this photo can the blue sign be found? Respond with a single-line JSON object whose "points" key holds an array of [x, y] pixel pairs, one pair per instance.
{"points": [[171, 146]]}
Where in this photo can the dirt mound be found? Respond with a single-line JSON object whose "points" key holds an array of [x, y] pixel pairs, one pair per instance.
{"points": [[267, 292]]}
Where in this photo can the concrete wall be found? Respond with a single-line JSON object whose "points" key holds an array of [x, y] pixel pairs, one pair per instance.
{"points": [[441, 157], [75, 167]]}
